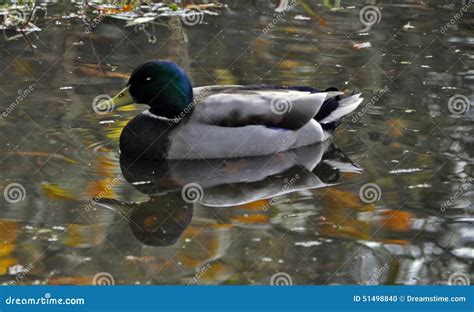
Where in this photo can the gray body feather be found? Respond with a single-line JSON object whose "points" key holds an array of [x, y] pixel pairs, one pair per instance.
{"points": [[232, 121]]}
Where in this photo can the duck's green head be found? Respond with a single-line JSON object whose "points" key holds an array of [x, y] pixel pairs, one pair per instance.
{"points": [[162, 85]]}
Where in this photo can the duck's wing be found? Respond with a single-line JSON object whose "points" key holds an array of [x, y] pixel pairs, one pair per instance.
{"points": [[236, 106]]}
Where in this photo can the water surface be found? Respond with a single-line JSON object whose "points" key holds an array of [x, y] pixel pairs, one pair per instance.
{"points": [[414, 151]]}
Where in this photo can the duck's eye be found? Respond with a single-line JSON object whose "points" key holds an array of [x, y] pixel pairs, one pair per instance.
{"points": [[148, 78]]}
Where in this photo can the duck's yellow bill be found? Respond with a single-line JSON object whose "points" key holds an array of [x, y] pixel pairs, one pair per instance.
{"points": [[123, 98]]}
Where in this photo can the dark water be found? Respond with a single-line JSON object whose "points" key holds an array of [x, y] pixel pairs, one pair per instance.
{"points": [[78, 216]]}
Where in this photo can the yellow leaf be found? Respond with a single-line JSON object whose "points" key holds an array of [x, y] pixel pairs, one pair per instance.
{"points": [[54, 191]]}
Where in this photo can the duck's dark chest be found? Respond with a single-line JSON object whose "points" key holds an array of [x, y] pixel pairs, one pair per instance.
{"points": [[146, 137]]}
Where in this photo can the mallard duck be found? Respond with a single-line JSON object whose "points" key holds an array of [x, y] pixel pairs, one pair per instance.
{"points": [[222, 121]]}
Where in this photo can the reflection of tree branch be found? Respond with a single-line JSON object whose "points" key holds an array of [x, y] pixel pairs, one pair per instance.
{"points": [[99, 63], [28, 42], [25, 37], [31, 14], [179, 44]]}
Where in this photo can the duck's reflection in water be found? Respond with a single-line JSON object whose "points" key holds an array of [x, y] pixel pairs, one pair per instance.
{"points": [[175, 186]]}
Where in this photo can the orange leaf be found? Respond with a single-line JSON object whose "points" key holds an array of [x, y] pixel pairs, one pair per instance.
{"points": [[396, 220]]}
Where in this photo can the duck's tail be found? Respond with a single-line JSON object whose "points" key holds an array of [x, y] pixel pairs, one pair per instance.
{"points": [[335, 108]]}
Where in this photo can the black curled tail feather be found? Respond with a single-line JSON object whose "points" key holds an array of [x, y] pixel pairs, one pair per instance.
{"points": [[328, 106], [334, 108]]}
